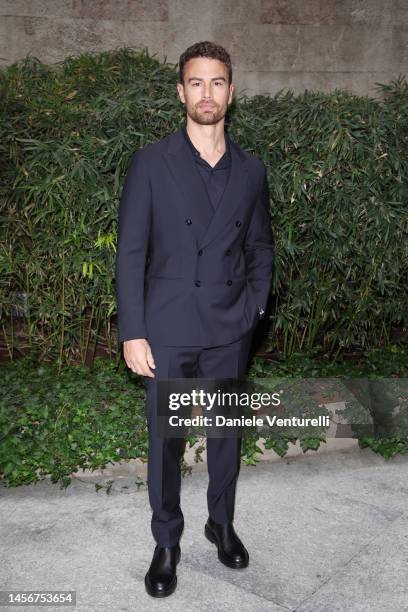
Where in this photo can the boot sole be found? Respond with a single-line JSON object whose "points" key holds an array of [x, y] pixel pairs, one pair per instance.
{"points": [[161, 592], [212, 538]]}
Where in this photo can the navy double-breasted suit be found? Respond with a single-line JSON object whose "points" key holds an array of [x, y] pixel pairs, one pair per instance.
{"points": [[186, 274], [193, 281]]}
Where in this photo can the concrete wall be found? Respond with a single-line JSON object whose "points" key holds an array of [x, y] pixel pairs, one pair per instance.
{"points": [[274, 44]]}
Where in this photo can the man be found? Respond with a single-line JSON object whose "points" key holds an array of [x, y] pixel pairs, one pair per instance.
{"points": [[195, 207]]}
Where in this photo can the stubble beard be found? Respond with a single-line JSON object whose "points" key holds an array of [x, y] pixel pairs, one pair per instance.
{"points": [[206, 117]]}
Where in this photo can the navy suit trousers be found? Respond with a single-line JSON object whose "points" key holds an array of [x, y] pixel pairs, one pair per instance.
{"points": [[165, 454]]}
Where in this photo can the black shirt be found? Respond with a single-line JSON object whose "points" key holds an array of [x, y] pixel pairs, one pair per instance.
{"points": [[215, 178]]}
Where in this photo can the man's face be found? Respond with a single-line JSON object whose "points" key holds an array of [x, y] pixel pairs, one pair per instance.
{"points": [[206, 92]]}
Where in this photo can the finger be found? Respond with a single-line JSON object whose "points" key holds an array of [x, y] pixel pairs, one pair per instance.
{"points": [[148, 372], [133, 365], [144, 370], [149, 357]]}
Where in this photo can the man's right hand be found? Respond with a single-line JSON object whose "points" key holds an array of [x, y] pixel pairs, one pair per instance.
{"points": [[138, 356]]}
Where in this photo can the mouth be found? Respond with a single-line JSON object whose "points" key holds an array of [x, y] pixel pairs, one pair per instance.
{"points": [[206, 105]]}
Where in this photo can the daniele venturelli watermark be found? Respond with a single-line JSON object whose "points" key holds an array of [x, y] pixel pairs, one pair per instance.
{"points": [[334, 407], [225, 407], [210, 401]]}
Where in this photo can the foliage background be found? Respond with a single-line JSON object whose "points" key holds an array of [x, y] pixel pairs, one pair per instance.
{"points": [[337, 168], [55, 423]]}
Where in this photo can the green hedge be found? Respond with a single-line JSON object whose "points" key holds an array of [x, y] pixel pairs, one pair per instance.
{"points": [[338, 183], [55, 423]]}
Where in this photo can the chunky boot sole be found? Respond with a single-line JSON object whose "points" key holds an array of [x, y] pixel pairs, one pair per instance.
{"points": [[212, 538], [161, 592]]}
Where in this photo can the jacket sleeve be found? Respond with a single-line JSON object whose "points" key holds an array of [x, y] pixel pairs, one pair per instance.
{"points": [[259, 248], [133, 238]]}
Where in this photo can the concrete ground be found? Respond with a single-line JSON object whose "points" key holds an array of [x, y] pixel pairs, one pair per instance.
{"points": [[325, 532]]}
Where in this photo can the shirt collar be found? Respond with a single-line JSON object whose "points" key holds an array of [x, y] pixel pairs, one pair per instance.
{"points": [[195, 152]]}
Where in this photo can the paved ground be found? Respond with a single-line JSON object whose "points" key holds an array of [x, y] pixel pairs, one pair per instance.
{"points": [[324, 532]]}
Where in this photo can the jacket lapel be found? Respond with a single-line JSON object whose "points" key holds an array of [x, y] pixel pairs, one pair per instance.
{"points": [[194, 203]]}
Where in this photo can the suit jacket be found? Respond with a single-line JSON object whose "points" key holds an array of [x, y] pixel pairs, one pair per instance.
{"points": [[185, 274]]}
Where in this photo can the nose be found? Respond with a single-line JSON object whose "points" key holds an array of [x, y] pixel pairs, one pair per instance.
{"points": [[207, 91]]}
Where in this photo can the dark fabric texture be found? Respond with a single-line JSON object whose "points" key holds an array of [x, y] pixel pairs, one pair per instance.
{"points": [[223, 454], [215, 178], [187, 274]]}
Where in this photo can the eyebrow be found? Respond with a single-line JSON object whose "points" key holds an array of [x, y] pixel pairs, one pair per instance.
{"points": [[220, 78]]}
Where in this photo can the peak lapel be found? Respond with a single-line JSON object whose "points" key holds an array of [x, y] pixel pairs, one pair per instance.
{"points": [[231, 202], [193, 203]]}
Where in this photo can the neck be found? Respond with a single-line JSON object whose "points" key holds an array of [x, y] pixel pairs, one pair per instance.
{"points": [[208, 139]]}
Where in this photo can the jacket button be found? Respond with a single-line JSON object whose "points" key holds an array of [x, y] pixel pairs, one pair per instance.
{"points": [[229, 282], [188, 221], [238, 223], [200, 252], [198, 283], [228, 252]]}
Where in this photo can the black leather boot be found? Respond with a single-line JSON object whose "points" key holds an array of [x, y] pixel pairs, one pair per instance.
{"points": [[161, 579], [231, 550]]}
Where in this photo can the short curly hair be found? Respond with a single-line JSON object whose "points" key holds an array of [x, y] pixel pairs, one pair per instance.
{"points": [[208, 49]]}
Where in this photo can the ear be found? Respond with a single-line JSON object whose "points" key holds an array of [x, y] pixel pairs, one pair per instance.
{"points": [[180, 89], [231, 94]]}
